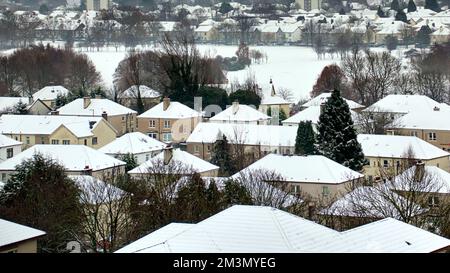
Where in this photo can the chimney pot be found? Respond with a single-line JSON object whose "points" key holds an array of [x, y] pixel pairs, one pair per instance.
{"points": [[105, 115], [168, 154], [419, 171], [235, 107]]}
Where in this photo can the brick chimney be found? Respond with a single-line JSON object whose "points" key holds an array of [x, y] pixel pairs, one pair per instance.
{"points": [[419, 171], [235, 107], [168, 154], [86, 102], [166, 103], [87, 170], [105, 115]]}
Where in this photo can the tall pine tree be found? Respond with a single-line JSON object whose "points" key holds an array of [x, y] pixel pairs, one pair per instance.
{"points": [[306, 139], [337, 137], [221, 156], [401, 16], [433, 5], [395, 5], [412, 6]]}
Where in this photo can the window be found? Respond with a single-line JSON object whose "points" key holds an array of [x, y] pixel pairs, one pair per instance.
{"points": [[208, 148], [296, 189], [167, 124], [431, 136], [152, 123], [414, 133], [123, 118], [3, 176], [9, 152], [385, 163], [66, 142], [370, 179], [94, 141], [167, 137], [85, 142], [147, 157], [28, 140], [325, 191], [153, 135], [42, 140], [196, 149], [16, 138], [55, 141], [433, 201]]}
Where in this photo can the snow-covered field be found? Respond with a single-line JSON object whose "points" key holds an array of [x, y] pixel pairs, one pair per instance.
{"points": [[290, 67]]}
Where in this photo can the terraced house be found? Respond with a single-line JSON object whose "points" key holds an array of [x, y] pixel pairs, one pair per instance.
{"points": [[94, 132]]}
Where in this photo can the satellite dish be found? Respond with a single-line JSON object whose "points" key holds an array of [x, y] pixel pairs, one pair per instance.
{"points": [[73, 247]]}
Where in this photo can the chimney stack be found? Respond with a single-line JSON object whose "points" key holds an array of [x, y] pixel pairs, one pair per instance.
{"points": [[166, 103], [322, 108], [30, 100], [98, 96], [168, 154], [86, 102], [87, 170], [419, 171], [235, 107], [436, 108], [105, 115]]}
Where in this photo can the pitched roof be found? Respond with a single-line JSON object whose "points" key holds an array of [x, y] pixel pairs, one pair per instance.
{"points": [[248, 134], [178, 157], [255, 229], [241, 113], [312, 113], [133, 143], [95, 191], [146, 92], [7, 141], [402, 104], [305, 169], [95, 108], [425, 119], [390, 146], [273, 100], [11, 233], [437, 180], [50, 93], [322, 98], [175, 110], [73, 157], [47, 124]]}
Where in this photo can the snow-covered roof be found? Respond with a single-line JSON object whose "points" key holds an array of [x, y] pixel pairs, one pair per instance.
{"points": [[240, 113], [183, 158], [74, 158], [312, 114], [95, 191], [247, 134], [402, 104], [133, 143], [437, 180], [50, 93], [204, 28], [273, 100], [389, 146], [175, 110], [7, 103], [168, 26], [47, 124], [11, 233], [425, 119], [146, 92], [242, 229], [394, 27], [305, 169], [95, 108], [7, 142], [257, 229], [441, 31], [322, 98]]}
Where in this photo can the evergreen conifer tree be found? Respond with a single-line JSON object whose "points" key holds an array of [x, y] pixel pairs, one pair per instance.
{"points": [[305, 140], [401, 16], [412, 6], [433, 5], [395, 5], [221, 156], [337, 138], [380, 12]]}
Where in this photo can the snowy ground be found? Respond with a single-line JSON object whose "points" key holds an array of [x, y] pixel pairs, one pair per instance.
{"points": [[291, 67]]}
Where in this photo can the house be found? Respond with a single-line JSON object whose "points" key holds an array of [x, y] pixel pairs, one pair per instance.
{"points": [[49, 94], [206, 31], [316, 175], [168, 121], [9, 147], [312, 114], [322, 98], [7, 104], [276, 102], [149, 96], [255, 140], [258, 229], [309, 5], [141, 146], [440, 36], [431, 125], [15, 238], [175, 160], [392, 28], [120, 117], [38, 107], [94, 132], [240, 114], [384, 152], [76, 159], [98, 4]]}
